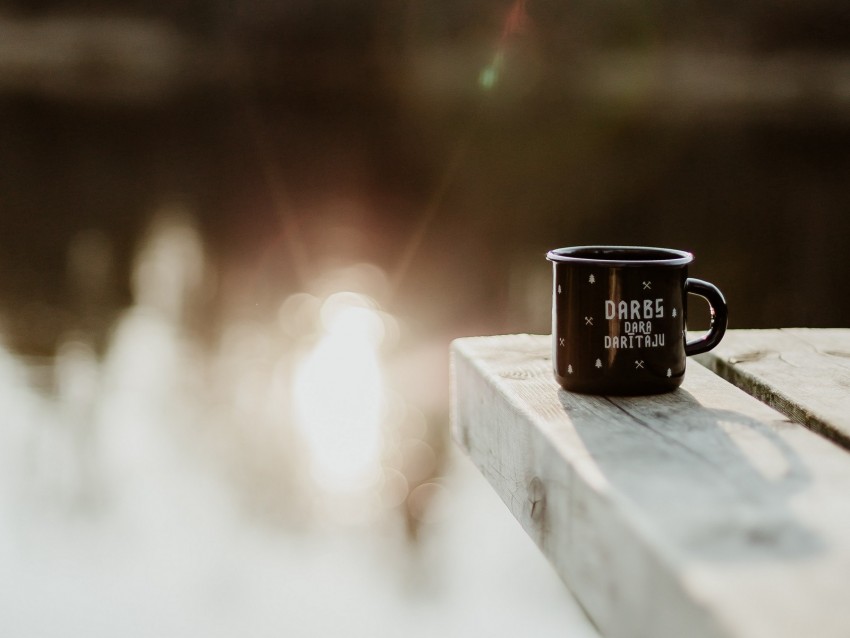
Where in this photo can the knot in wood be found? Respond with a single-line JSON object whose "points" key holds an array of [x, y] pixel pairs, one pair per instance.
{"points": [[537, 498]]}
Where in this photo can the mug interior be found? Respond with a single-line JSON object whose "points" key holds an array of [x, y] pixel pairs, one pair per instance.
{"points": [[621, 255]]}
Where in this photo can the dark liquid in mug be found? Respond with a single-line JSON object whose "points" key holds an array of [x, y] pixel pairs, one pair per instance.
{"points": [[622, 254]]}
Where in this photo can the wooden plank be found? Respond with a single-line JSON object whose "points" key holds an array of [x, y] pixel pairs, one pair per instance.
{"points": [[699, 513], [803, 373]]}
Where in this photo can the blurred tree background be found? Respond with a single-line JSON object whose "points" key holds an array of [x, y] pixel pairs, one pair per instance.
{"points": [[450, 143]]}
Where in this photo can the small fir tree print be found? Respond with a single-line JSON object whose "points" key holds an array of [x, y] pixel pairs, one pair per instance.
{"points": [[598, 363], [591, 279], [569, 369], [669, 371], [675, 314]]}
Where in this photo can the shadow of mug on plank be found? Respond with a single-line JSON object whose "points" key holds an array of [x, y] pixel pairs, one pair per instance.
{"points": [[619, 318]]}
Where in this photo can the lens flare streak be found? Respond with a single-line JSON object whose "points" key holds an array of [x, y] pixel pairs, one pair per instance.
{"points": [[516, 22]]}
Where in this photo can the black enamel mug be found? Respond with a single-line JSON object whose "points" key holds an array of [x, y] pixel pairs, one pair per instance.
{"points": [[619, 318]]}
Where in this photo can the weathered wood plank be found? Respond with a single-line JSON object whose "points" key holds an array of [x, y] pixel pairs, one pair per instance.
{"points": [[699, 513], [803, 373]]}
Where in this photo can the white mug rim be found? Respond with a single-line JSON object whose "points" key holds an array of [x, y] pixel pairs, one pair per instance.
{"points": [[584, 255]]}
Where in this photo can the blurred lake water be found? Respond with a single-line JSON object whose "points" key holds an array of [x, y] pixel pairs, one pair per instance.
{"points": [[136, 501]]}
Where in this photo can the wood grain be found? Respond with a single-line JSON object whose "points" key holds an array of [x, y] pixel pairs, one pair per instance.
{"points": [[699, 513], [804, 373]]}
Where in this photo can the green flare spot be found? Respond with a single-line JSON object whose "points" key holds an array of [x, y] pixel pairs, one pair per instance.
{"points": [[488, 78]]}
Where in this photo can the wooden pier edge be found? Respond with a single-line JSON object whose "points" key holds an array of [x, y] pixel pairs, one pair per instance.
{"points": [[664, 515]]}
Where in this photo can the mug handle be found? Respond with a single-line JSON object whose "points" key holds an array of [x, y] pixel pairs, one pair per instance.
{"points": [[719, 315]]}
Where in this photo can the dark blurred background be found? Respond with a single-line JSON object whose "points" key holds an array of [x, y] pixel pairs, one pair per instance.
{"points": [[449, 143]]}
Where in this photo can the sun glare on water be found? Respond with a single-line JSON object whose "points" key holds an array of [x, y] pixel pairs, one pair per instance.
{"points": [[339, 395]]}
